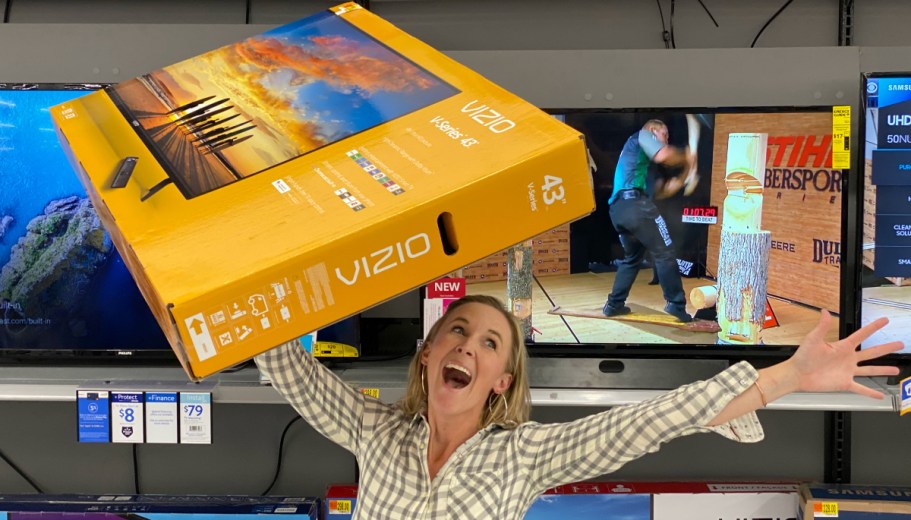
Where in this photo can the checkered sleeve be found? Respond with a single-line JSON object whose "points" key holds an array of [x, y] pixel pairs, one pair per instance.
{"points": [[331, 406], [602, 443]]}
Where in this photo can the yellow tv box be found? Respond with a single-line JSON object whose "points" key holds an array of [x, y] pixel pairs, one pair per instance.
{"points": [[276, 185]]}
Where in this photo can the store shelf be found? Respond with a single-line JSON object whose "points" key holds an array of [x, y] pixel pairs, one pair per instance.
{"points": [[836, 402], [59, 384]]}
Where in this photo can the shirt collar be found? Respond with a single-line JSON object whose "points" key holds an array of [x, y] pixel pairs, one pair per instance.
{"points": [[421, 417]]}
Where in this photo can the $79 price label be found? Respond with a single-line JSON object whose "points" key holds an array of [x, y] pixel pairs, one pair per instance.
{"points": [[196, 417], [193, 410]]}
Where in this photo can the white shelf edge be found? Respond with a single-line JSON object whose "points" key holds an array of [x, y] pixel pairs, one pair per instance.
{"points": [[244, 387]]}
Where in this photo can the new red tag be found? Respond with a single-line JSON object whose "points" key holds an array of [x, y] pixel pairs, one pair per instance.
{"points": [[446, 288]]}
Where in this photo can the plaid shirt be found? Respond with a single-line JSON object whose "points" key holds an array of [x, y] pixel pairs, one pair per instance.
{"points": [[497, 473]]}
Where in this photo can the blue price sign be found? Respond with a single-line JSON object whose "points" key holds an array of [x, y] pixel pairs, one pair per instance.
{"points": [[93, 408]]}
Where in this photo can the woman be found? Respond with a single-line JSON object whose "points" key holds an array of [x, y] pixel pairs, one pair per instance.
{"points": [[460, 445]]}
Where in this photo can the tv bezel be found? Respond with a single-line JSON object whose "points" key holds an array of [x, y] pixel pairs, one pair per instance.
{"points": [[86, 356]]}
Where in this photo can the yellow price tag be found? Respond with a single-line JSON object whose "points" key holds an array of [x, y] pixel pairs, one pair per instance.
{"points": [[825, 509], [372, 392], [841, 136], [841, 115], [333, 349], [339, 507]]}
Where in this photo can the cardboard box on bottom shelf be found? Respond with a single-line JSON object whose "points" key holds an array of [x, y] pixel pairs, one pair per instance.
{"points": [[854, 502], [668, 501], [726, 501], [300, 176], [636, 501], [155, 507], [339, 502]]}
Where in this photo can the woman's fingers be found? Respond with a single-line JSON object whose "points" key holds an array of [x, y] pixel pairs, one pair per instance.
{"points": [[876, 371], [866, 331], [880, 350], [858, 388]]}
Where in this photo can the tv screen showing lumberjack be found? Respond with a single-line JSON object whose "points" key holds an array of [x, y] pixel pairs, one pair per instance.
{"points": [[710, 228], [886, 265], [244, 108]]}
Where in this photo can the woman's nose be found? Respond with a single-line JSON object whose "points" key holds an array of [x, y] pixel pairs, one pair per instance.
{"points": [[462, 349]]}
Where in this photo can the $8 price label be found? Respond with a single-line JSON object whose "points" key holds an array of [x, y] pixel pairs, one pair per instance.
{"points": [[127, 414]]}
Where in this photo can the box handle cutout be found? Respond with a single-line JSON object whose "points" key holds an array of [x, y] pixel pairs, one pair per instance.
{"points": [[447, 233]]}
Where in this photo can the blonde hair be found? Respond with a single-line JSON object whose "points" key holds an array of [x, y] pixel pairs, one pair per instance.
{"points": [[510, 410]]}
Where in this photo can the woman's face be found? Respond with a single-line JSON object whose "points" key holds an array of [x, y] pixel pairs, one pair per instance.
{"points": [[467, 360]]}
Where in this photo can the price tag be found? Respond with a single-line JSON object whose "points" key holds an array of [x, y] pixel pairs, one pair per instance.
{"points": [[825, 509], [127, 417], [372, 392], [161, 417], [905, 386], [841, 137], [94, 415], [195, 418], [339, 507]]}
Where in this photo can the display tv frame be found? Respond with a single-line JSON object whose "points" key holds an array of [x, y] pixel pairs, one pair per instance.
{"points": [[875, 294], [760, 354], [69, 298]]}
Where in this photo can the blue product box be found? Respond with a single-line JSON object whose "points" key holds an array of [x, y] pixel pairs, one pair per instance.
{"points": [[854, 502], [591, 500], [155, 507], [668, 501]]}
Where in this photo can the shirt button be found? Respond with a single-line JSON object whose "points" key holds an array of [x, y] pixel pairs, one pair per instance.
{"points": [[743, 381]]}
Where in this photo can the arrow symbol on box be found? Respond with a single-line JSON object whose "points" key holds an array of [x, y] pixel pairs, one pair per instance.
{"points": [[196, 326]]}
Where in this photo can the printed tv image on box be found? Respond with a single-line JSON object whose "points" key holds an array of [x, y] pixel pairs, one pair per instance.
{"points": [[242, 109]]}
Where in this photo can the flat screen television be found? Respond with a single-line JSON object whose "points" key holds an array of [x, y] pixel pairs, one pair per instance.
{"points": [[800, 218], [65, 293], [884, 202]]}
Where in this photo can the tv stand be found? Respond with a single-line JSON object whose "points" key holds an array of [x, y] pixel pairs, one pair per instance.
{"points": [[155, 189]]}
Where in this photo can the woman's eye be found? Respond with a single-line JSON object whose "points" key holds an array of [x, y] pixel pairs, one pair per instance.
{"points": [[458, 330], [491, 344]]}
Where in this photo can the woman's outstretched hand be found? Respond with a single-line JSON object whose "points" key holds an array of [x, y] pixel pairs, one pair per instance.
{"points": [[817, 366], [822, 366]]}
